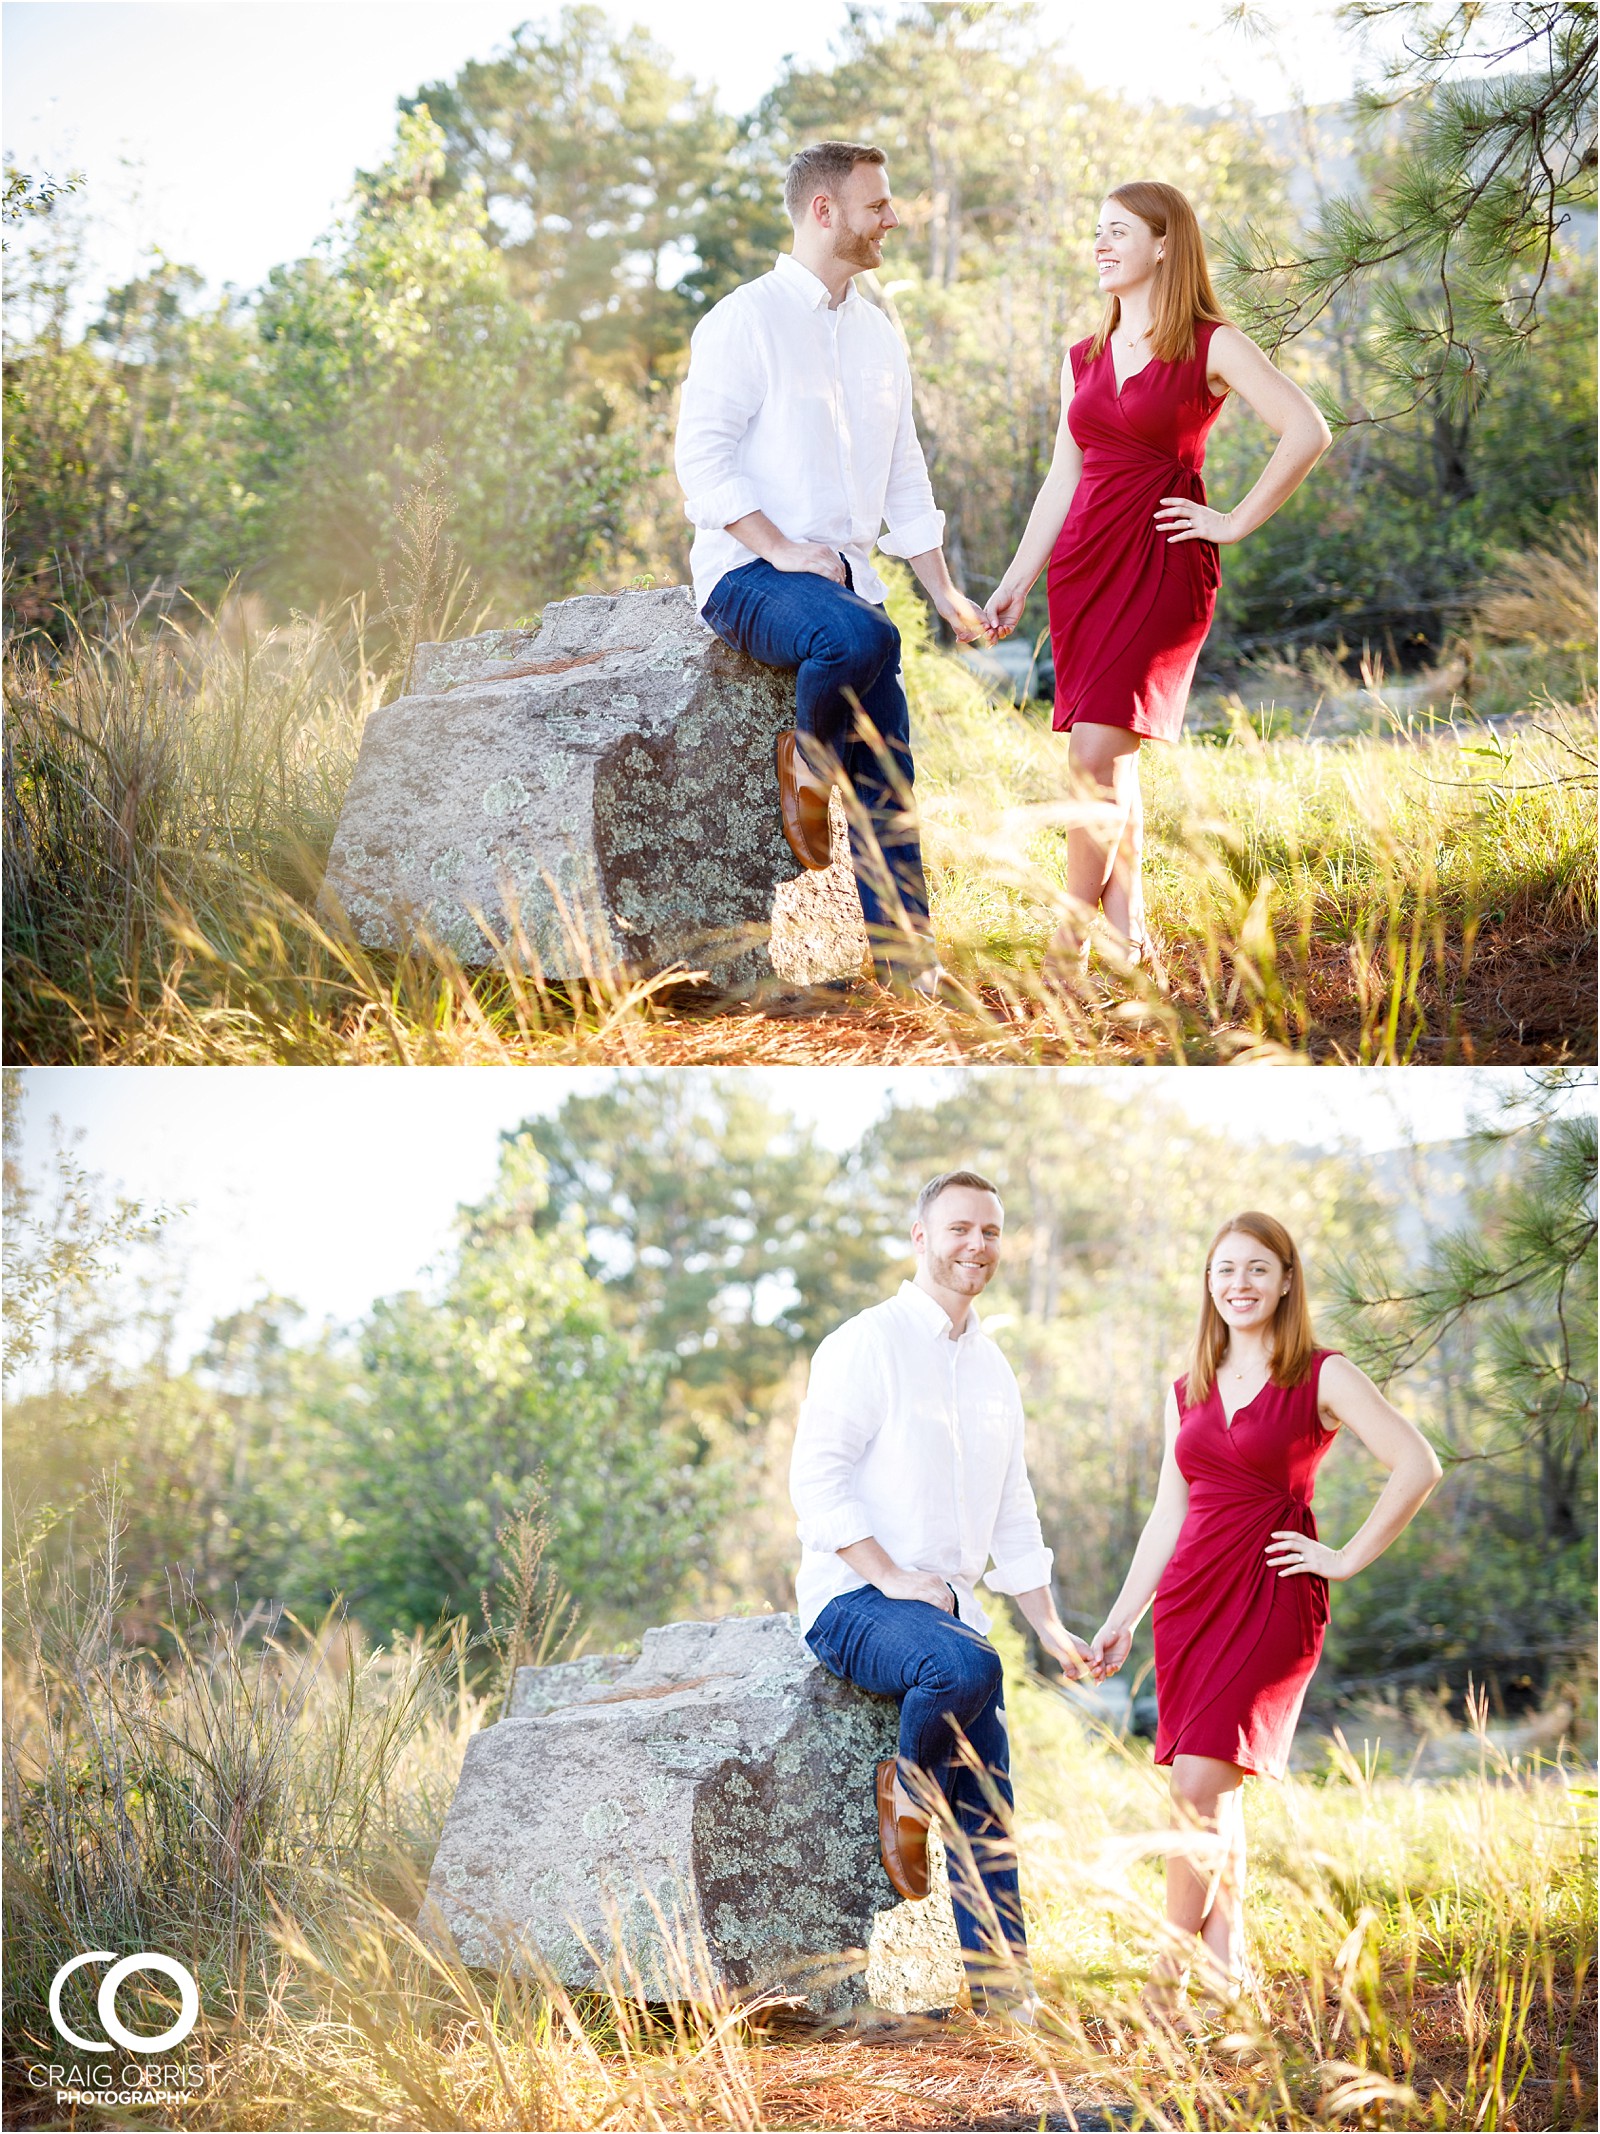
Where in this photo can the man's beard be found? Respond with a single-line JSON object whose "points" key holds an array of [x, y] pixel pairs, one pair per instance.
{"points": [[855, 250], [950, 1274]]}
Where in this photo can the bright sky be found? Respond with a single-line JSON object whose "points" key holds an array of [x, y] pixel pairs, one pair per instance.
{"points": [[338, 1185], [227, 132]]}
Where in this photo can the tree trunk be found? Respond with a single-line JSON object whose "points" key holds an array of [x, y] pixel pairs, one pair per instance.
{"points": [[1450, 456]]}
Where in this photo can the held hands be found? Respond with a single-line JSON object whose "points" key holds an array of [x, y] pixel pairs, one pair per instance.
{"points": [[814, 556], [1109, 1649], [970, 622], [1181, 519], [1005, 607], [1074, 1656], [1294, 1555]]}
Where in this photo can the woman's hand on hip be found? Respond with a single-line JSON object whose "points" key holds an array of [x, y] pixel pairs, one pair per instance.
{"points": [[918, 1586], [1295, 1555], [1180, 518]]}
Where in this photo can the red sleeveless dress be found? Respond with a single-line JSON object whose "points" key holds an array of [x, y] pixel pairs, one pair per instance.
{"points": [[1235, 1643], [1128, 611]]}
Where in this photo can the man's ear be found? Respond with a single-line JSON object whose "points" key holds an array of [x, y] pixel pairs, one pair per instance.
{"points": [[919, 1237]]}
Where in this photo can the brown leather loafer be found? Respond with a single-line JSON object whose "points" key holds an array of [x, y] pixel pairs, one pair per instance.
{"points": [[803, 807], [903, 1843]]}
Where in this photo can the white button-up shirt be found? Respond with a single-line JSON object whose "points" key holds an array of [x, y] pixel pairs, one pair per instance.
{"points": [[913, 1435], [802, 410]]}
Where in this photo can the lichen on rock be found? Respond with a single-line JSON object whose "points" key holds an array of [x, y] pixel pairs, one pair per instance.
{"points": [[720, 1783], [643, 769]]}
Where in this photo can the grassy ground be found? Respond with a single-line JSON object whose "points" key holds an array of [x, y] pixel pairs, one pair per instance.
{"points": [[1336, 872], [268, 1813]]}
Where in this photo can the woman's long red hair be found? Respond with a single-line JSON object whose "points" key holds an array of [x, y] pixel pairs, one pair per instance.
{"points": [[1293, 1343], [1183, 293]]}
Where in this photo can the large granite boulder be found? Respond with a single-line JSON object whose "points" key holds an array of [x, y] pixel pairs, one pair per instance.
{"points": [[716, 1791], [604, 785]]}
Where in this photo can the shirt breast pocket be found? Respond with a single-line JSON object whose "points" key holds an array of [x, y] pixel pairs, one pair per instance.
{"points": [[878, 394], [992, 1435]]}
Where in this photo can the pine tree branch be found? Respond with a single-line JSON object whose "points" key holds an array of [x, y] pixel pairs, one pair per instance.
{"points": [[1475, 204]]}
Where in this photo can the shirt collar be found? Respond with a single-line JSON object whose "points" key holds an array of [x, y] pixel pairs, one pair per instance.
{"points": [[809, 287], [931, 1315]]}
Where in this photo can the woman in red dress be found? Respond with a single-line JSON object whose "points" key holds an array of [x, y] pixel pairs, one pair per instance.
{"points": [[1131, 543], [1240, 1581]]}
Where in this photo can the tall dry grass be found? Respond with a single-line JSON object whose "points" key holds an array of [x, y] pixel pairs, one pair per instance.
{"points": [[1390, 883], [1534, 630], [264, 1804]]}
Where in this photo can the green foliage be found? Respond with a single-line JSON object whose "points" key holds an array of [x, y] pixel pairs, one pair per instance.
{"points": [[220, 1472], [27, 196], [279, 440], [402, 347], [592, 159], [63, 1243], [1461, 231], [1443, 315], [722, 1232], [1498, 1324], [1397, 530], [128, 453], [298, 1469], [513, 1388]]}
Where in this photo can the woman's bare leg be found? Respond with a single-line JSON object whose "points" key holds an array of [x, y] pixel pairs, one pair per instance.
{"points": [[1222, 1929], [1199, 1880], [1099, 760], [1123, 896]]}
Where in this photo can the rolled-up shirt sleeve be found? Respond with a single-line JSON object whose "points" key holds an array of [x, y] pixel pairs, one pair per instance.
{"points": [[914, 522], [1021, 1560], [841, 1415], [722, 391]]}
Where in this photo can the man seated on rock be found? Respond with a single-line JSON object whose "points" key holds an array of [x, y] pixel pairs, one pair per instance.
{"points": [[796, 446], [908, 1475]]}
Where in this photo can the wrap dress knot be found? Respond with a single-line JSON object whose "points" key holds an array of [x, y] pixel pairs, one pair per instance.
{"points": [[1128, 610], [1236, 1644]]}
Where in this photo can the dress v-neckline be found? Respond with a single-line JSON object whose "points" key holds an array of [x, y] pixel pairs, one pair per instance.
{"points": [[1119, 387], [1228, 1420]]}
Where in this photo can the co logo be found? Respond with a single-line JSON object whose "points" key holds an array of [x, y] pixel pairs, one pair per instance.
{"points": [[129, 2040]]}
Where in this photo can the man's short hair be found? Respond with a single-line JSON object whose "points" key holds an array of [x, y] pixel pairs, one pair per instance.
{"points": [[935, 1186], [823, 168]]}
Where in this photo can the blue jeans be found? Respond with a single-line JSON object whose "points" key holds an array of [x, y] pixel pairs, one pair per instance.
{"points": [[946, 1676], [838, 643]]}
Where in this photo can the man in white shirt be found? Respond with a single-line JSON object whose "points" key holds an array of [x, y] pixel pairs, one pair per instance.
{"points": [[908, 1476], [796, 446]]}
